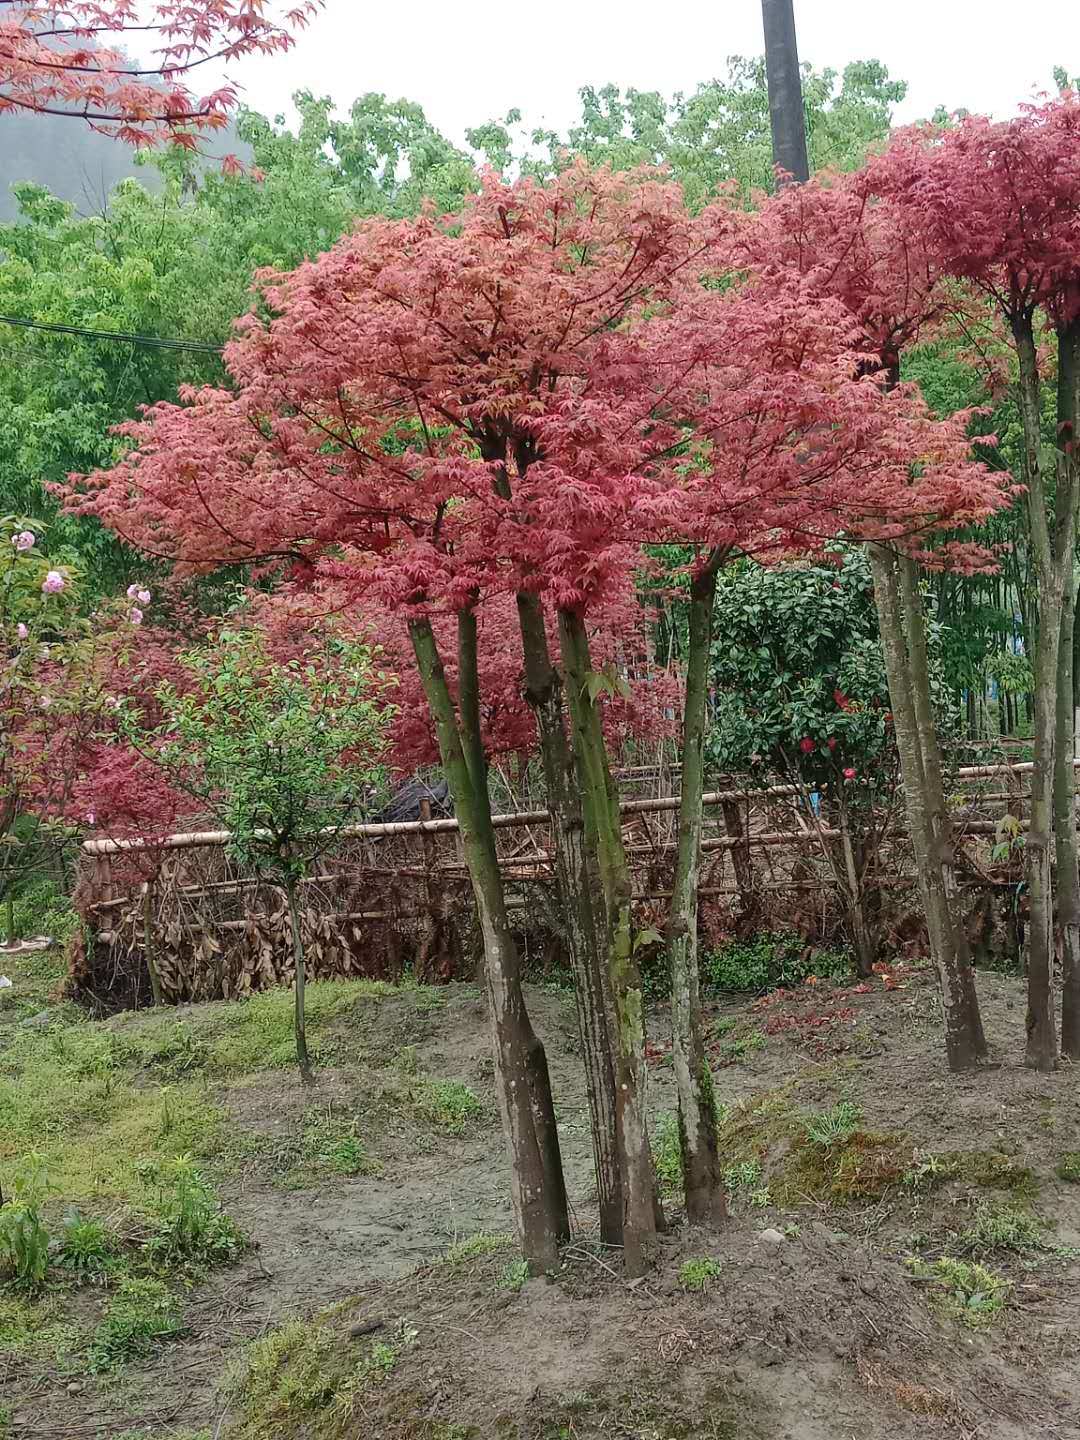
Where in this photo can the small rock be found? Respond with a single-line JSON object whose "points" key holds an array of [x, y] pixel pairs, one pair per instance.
{"points": [[40, 1021], [74, 1388], [771, 1237], [868, 1285]]}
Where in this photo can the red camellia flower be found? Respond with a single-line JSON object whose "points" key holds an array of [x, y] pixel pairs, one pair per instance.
{"points": [[841, 699], [887, 717], [806, 745], [849, 773], [832, 742]]}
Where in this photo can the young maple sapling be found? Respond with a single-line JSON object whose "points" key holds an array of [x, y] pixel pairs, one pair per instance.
{"points": [[282, 754]]}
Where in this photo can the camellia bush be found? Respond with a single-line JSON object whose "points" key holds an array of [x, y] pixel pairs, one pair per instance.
{"points": [[800, 694]]}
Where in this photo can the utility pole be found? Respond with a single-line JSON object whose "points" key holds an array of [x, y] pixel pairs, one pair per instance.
{"points": [[785, 91]]}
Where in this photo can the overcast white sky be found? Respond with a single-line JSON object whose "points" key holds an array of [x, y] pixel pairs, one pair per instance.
{"points": [[471, 60]]}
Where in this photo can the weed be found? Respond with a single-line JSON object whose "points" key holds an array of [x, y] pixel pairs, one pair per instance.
{"points": [[87, 1249], [769, 961], [143, 1311], [743, 1176], [1068, 1168], [831, 1127], [740, 1046], [24, 1241], [191, 1230], [667, 1153], [968, 1291], [993, 1231], [476, 1247], [694, 1275], [259, 1033], [513, 1275], [926, 1172], [29, 1326], [450, 1106]]}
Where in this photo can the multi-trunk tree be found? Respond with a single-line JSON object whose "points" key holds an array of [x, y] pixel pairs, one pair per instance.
{"points": [[997, 205]]}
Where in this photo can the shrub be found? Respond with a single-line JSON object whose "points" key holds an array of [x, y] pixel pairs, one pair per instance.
{"points": [[87, 1249], [831, 1127], [769, 962], [1068, 1168]]}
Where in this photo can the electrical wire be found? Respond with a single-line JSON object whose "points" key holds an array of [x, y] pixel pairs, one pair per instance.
{"points": [[150, 342]]}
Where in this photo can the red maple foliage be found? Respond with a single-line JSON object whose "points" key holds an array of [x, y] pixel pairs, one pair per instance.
{"points": [[65, 57]]}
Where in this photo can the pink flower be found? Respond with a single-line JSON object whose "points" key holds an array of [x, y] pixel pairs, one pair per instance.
{"points": [[135, 615], [44, 701], [144, 597], [21, 631], [806, 745], [849, 773], [90, 817], [53, 583], [832, 742], [23, 540], [132, 591]]}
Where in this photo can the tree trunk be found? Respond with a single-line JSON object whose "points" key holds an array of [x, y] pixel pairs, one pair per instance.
{"points": [[741, 863], [299, 1025], [702, 1176], [786, 117], [961, 1046], [1053, 549], [148, 942], [864, 940], [601, 807], [938, 814], [543, 690], [537, 1186], [1068, 877]]}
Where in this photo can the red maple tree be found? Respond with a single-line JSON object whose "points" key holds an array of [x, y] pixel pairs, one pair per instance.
{"points": [[66, 57]]}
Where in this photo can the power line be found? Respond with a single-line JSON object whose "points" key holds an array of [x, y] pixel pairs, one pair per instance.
{"points": [[150, 342]]}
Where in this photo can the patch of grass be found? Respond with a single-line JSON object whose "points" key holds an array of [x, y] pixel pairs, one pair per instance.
{"points": [[927, 1171], [258, 1032], [694, 1275], [88, 1250], [327, 1148], [1068, 1168], [739, 1046], [477, 1247], [513, 1275], [833, 1126], [191, 1230], [651, 1409], [34, 1328], [769, 962], [143, 1312], [450, 1106], [966, 1291], [993, 1170], [995, 1231]]}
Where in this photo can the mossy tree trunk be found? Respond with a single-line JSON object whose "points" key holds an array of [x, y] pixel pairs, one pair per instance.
{"points": [[544, 693], [537, 1186], [600, 804], [149, 949], [1065, 848], [702, 1178], [961, 1040]]}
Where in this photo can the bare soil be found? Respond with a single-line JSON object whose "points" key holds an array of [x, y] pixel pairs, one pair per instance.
{"points": [[828, 1333]]}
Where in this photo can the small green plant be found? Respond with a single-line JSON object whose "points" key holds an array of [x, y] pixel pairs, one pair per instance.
{"points": [[769, 962], [742, 1177], [143, 1312], [739, 1046], [87, 1249], [1068, 1168], [972, 1293], [24, 1241], [191, 1229], [926, 1171], [667, 1154], [451, 1106], [513, 1275], [694, 1275], [477, 1247], [993, 1231], [833, 1126]]}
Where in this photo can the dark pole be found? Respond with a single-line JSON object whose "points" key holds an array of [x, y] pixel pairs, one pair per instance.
{"points": [[785, 90]]}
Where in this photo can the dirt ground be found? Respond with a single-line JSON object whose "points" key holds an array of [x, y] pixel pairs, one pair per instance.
{"points": [[838, 1325]]}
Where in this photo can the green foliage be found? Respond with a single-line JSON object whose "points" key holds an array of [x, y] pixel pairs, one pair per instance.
{"points": [[994, 1231], [694, 1275], [87, 1249], [191, 1230], [831, 1127], [739, 1046], [967, 1291], [1068, 1168], [450, 1106], [769, 962], [41, 909], [24, 1241], [514, 1275], [143, 1312], [477, 1247]]}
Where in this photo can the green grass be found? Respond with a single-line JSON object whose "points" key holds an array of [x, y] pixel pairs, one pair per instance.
{"points": [[477, 1247], [833, 1126], [450, 1106], [143, 1312], [1068, 1168], [694, 1275], [965, 1291], [996, 1231]]}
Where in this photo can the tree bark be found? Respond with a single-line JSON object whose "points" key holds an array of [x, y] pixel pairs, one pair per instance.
{"points": [[938, 814], [543, 691], [1068, 877], [960, 1041], [601, 807], [537, 1186], [702, 1176], [299, 1023]]}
